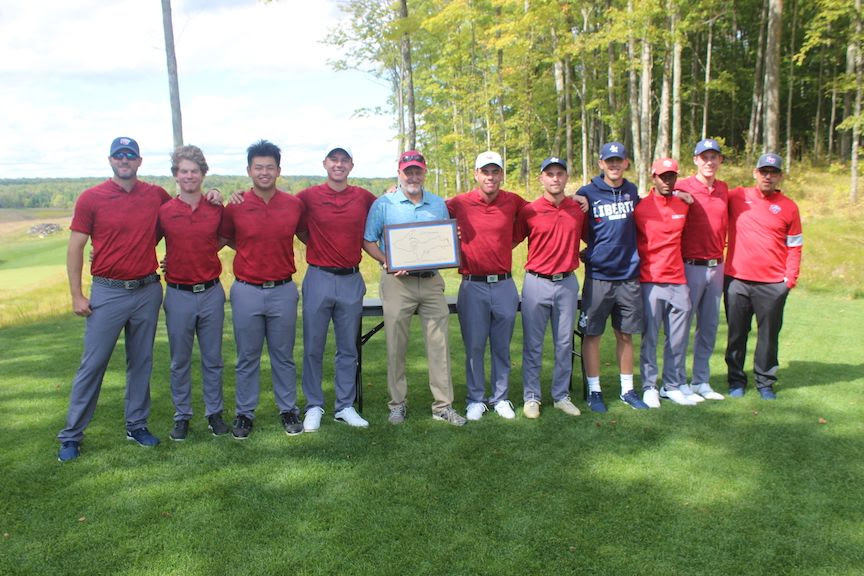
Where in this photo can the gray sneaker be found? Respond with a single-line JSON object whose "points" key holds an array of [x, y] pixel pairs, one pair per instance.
{"points": [[397, 414], [450, 415]]}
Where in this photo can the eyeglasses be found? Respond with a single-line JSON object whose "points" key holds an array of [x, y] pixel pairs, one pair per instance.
{"points": [[412, 158], [126, 155], [768, 171]]}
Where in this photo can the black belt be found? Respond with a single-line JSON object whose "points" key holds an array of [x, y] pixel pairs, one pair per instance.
{"points": [[337, 271], [127, 284], [421, 274], [488, 278], [268, 284], [698, 262], [196, 288], [553, 277]]}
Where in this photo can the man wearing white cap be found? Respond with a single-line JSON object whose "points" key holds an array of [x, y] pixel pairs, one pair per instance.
{"points": [[333, 287], [763, 263], [488, 300]]}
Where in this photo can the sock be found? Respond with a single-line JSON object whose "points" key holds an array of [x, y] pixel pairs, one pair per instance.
{"points": [[626, 383], [593, 383]]}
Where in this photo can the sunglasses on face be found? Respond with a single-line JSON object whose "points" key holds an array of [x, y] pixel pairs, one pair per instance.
{"points": [[126, 155], [412, 158]]}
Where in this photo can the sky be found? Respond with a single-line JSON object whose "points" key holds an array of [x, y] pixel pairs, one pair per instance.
{"points": [[77, 74]]}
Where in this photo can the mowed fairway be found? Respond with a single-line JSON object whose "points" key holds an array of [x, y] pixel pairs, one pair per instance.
{"points": [[732, 487]]}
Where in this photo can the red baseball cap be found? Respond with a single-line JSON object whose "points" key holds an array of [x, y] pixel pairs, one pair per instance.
{"points": [[664, 165], [411, 158]]}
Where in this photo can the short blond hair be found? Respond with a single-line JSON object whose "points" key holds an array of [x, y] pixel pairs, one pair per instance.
{"points": [[191, 153]]}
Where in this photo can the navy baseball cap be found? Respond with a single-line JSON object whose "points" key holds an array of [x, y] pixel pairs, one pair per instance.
{"points": [[613, 150], [552, 160], [705, 145], [770, 160], [124, 143]]}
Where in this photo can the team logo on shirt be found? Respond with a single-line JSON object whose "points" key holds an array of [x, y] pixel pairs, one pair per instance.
{"points": [[774, 209]]}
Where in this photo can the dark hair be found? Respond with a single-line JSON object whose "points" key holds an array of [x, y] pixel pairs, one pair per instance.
{"points": [[263, 149], [192, 153]]}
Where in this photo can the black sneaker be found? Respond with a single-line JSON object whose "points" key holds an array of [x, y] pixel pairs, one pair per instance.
{"points": [[242, 427], [291, 423], [216, 425], [180, 430]]}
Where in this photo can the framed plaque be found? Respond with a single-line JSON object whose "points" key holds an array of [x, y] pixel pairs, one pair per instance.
{"points": [[418, 246]]}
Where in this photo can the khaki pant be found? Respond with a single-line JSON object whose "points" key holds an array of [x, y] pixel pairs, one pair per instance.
{"points": [[400, 298]]}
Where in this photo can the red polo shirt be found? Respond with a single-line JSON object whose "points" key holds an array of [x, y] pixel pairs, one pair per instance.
{"points": [[335, 222], [263, 236], [705, 231], [486, 230], [191, 241], [765, 237], [122, 228], [553, 233], [659, 227]]}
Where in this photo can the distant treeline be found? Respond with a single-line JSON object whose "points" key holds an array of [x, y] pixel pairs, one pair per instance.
{"points": [[62, 192]]}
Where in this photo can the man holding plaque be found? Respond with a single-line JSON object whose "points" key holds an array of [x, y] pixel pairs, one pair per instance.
{"points": [[488, 300], [403, 293]]}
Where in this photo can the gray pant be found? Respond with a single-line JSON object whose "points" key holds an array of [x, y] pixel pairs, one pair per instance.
{"points": [[329, 296], [487, 311], [260, 313], [706, 290], [114, 309], [188, 314], [667, 305], [544, 300]]}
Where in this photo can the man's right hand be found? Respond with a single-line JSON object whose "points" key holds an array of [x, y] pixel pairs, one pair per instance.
{"points": [[236, 197], [81, 306]]}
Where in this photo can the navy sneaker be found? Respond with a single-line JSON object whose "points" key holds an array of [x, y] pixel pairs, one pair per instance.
{"points": [[242, 427], [633, 400], [216, 425], [180, 430], [142, 436], [291, 423], [595, 402], [69, 451], [736, 391], [767, 393]]}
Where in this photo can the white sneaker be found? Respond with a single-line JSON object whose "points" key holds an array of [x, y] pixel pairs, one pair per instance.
{"points": [[350, 416], [475, 410], [505, 410], [566, 405], [651, 397], [312, 421], [690, 393], [707, 392], [678, 397]]}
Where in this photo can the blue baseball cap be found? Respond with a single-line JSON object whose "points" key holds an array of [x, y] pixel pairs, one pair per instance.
{"points": [[613, 150], [124, 143], [770, 160], [553, 160], [705, 145]]}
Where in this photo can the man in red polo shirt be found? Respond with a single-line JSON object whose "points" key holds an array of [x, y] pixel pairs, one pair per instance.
{"points": [[333, 287], [553, 225], [194, 298], [488, 300], [264, 298], [659, 219], [119, 218], [763, 263]]}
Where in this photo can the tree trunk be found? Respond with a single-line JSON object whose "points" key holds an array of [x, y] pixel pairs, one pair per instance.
{"points": [[559, 100], [833, 121], [644, 115], [817, 121], [705, 96], [568, 112], [754, 134], [634, 96], [846, 135], [856, 127], [661, 148], [408, 80], [583, 108], [676, 85], [772, 75], [791, 87], [173, 83]]}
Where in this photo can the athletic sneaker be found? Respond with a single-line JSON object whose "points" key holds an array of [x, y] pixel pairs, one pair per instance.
{"points": [[475, 410], [678, 397], [505, 410], [651, 398], [706, 391], [567, 406], [69, 450], [595, 402], [449, 415], [350, 416], [216, 425], [767, 393], [531, 409], [242, 427], [736, 391], [312, 421], [690, 393], [180, 430], [143, 437], [632, 400], [291, 423], [397, 414]]}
